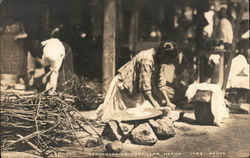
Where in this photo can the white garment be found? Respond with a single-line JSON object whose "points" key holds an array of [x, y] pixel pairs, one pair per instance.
{"points": [[169, 72], [117, 100], [209, 28], [215, 58], [218, 106], [225, 31], [235, 80], [53, 54], [245, 35]]}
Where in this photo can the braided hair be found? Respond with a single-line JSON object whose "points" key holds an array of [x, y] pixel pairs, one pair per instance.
{"points": [[167, 49]]}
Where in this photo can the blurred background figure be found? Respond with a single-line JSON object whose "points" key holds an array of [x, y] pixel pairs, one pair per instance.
{"points": [[61, 31], [225, 29], [210, 17], [12, 35], [238, 87], [53, 53]]}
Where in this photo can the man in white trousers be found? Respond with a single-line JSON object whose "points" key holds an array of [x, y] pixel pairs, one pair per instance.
{"points": [[52, 58]]}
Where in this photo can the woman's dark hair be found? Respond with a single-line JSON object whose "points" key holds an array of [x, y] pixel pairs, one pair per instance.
{"points": [[166, 48]]}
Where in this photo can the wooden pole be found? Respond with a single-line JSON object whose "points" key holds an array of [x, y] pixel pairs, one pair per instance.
{"points": [[109, 42], [232, 50], [46, 19], [133, 31]]}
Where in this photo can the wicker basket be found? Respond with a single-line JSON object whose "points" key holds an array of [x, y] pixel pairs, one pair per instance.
{"points": [[203, 113]]}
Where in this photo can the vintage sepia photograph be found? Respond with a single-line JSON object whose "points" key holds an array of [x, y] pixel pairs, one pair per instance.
{"points": [[124, 78]]}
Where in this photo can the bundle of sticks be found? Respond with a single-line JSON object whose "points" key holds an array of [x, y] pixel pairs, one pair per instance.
{"points": [[40, 122], [87, 93]]}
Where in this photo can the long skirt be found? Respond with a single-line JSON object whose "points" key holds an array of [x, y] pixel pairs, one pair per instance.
{"points": [[117, 100]]}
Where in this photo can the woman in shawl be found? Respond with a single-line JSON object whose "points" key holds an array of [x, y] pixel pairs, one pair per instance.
{"points": [[134, 84]]}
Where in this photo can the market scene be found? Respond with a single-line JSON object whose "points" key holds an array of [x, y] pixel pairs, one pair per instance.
{"points": [[124, 78]]}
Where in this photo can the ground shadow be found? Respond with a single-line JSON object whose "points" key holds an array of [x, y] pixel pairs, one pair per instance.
{"points": [[237, 109], [192, 121], [188, 120]]}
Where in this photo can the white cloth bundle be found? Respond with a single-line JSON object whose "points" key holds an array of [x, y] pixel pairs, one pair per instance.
{"points": [[218, 106], [239, 73]]}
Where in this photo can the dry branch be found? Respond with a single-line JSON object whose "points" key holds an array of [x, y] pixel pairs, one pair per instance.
{"points": [[43, 122]]}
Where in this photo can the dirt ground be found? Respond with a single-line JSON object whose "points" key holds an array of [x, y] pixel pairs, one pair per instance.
{"points": [[232, 140]]}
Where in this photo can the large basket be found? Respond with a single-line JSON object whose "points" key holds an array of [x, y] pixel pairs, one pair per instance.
{"points": [[203, 113]]}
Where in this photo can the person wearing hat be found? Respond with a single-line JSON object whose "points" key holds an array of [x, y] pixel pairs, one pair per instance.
{"points": [[133, 85]]}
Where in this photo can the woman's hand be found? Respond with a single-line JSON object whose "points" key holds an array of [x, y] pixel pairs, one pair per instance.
{"points": [[150, 98], [168, 104], [155, 104], [167, 101], [171, 105]]}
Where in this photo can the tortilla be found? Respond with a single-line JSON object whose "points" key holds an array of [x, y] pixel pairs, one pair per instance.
{"points": [[142, 114], [135, 110]]}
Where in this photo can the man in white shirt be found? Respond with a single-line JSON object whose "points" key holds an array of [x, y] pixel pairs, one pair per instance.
{"points": [[53, 53]]}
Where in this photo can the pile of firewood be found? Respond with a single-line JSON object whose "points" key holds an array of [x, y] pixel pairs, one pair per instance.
{"points": [[87, 94], [40, 122]]}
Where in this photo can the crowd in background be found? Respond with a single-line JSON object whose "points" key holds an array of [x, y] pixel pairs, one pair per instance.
{"points": [[214, 29]]}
